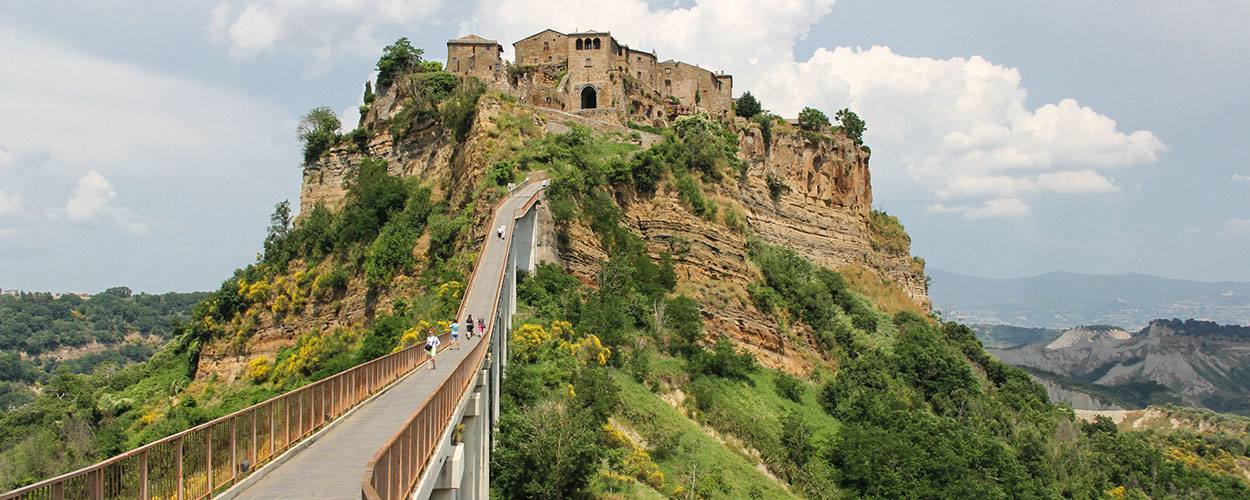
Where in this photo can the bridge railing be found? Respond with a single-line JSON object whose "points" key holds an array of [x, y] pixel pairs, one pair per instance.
{"points": [[406, 457], [196, 463]]}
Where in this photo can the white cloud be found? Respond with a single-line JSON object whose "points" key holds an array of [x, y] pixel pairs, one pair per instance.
{"points": [[8, 233], [9, 205], [1235, 228], [93, 200], [1241, 177], [6, 158], [953, 129], [1083, 181], [1001, 208], [324, 29], [92, 196]]}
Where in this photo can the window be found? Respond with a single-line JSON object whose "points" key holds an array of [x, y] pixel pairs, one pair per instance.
{"points": [[546, 46], [548, 58], [668, 83], [588, 62], [535, 60], [639, 75], [455, 64], [596, 44], [668, 70], [579, 44], [639, 58]]}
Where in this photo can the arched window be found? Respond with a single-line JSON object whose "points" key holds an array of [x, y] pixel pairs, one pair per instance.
{"points": [[590, 98], [596, 44], [579, 44]]}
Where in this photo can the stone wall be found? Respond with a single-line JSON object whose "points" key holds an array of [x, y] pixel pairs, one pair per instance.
{"points": [[696, 87], [642, 66], [547, 47], [484, 61]]}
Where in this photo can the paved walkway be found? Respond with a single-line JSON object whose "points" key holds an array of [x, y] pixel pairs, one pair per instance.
{"points": [[332, 467]]}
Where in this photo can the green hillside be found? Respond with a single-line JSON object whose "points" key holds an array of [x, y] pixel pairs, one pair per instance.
{"points": [[615, 390]]}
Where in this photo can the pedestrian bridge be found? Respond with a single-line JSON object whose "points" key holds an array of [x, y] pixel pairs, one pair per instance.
{"points": [[388, 429]]}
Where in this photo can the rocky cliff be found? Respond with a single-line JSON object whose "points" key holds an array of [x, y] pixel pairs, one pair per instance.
{"points": [[808, 192]]}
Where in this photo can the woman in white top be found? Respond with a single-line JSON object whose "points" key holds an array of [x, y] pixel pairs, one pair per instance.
{"points": [[431, 346]]}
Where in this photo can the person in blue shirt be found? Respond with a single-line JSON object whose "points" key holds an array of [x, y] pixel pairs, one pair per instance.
{"points": [[455, 333]]}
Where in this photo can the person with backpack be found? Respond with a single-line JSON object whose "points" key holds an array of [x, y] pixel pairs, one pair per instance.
{"points": [[455, 333], [431, 346], [468, 323], [481, 325]]}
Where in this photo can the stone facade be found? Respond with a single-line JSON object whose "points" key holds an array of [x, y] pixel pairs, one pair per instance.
{"points": [[695, 87], [600, 73], [546, 47], [473, 55]]}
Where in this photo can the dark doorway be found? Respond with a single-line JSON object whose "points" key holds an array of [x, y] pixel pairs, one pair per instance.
{"points": [[589, 97]]}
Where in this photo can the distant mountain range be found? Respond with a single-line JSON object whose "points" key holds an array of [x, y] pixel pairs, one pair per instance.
{"points": [[1194, 363], [1066, 300]]}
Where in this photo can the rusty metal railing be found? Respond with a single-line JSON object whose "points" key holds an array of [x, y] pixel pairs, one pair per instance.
{"points": [[199, 462]]}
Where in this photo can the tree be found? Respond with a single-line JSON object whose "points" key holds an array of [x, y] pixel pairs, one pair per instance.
{"points": [[279, 221], [812, 119], [397, 59], [852, 125], [319, 129], [747, 106]]}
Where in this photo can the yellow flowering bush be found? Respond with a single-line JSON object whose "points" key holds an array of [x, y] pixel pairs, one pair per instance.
{"points": [[260, 369], [528, 338], [311, 349], [450, 290], [590, 351]]}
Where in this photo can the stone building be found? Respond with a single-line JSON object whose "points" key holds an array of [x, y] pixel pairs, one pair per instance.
{"points": [[595, 72], [473, 55], [546, 47]]}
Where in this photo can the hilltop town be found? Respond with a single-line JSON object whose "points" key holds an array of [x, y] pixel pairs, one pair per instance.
{"points": [[592, 75]]}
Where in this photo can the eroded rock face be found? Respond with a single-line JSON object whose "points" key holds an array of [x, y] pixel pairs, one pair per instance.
{"points": [[822, 214], [819, 205]]}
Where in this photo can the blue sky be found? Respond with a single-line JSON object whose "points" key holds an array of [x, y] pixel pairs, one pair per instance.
{"points": [[145, 143]]}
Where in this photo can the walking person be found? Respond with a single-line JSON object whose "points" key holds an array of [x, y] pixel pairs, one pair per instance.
{"points": [[468, 324], [455, 333], [500, 231], [481, 325], [431, 346]]}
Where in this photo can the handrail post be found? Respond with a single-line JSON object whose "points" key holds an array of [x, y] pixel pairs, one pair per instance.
{"points": [[252, 458], [178, 465], [143, 475], [208, 456], [234, 453]]}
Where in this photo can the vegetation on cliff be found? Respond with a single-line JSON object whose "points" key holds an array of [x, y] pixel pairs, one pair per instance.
{"points": [[904, 406]]}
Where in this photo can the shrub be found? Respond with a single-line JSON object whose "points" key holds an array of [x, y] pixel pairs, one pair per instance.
{"points": [[318, 130], [747, 106], [397, 59], [852, 126], [724, 361], [812, 119], [789, 387], [688, 191]]}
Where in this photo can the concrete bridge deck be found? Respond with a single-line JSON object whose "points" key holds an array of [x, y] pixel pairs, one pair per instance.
{"points": [[332, 466]]}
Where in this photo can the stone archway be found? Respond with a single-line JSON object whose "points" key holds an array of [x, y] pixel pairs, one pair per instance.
{"points": [[590, 98]]}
